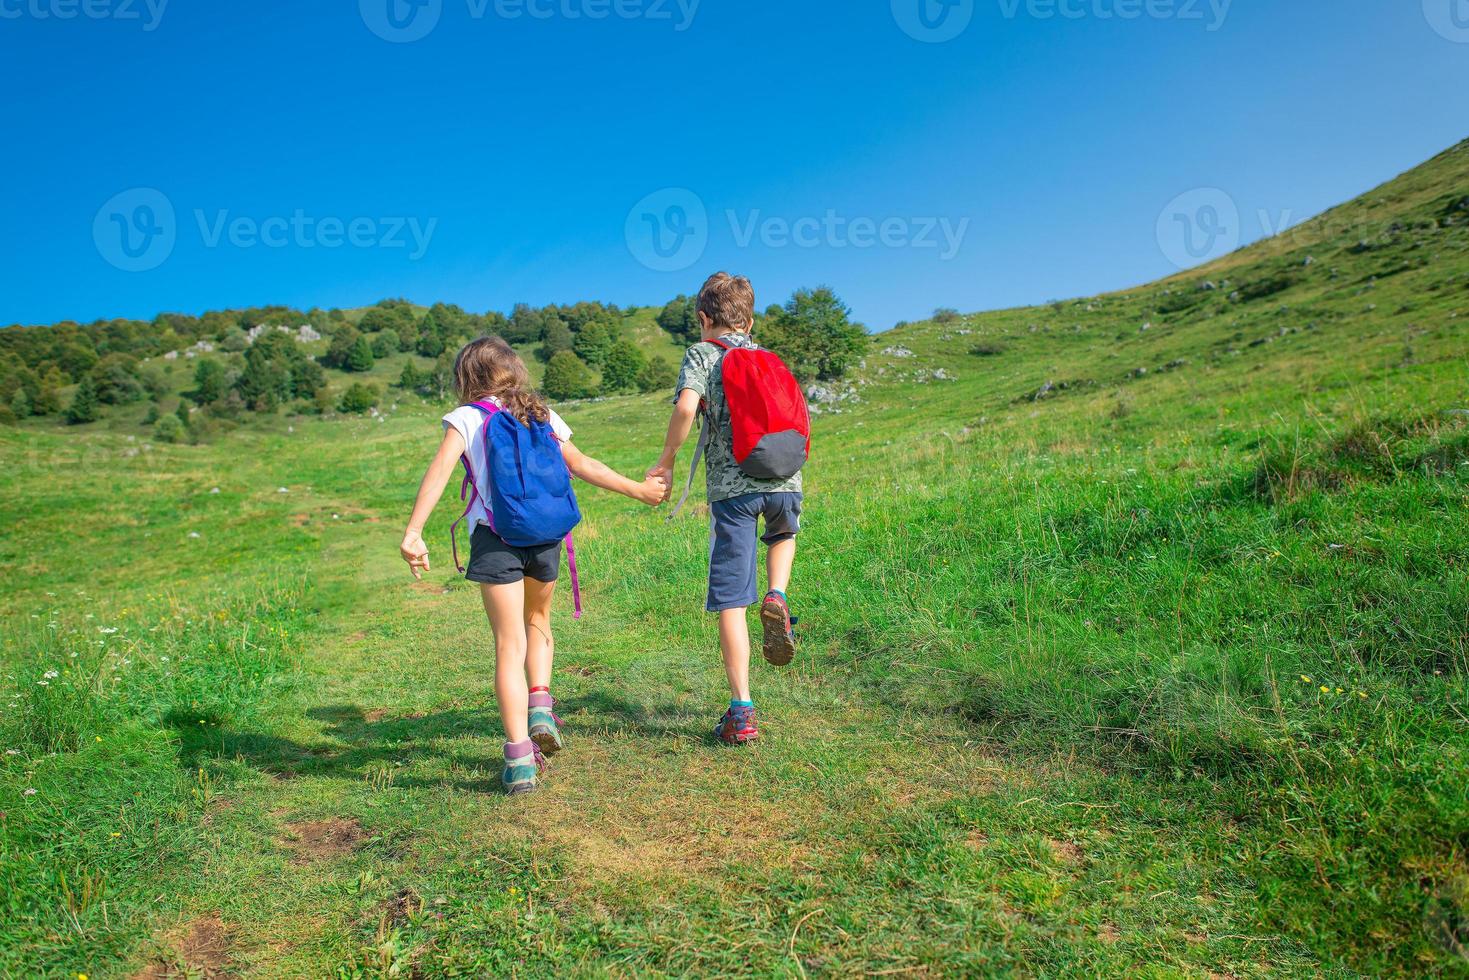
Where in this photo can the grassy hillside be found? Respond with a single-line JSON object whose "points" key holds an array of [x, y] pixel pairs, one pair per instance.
{"points": [[1134, 642]]}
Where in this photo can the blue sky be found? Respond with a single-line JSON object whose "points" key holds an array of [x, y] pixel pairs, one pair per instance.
{"points": [[528, 150]]}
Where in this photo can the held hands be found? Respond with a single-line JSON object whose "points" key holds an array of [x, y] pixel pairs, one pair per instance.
{"points": [[654, 489], [663, 473], [415, 553]]}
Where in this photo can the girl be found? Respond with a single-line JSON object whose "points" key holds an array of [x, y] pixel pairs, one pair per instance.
{"points": [[516, 583]]}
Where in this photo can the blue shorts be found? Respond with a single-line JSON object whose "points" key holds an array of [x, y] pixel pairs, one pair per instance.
{"points": [[732, 543]]}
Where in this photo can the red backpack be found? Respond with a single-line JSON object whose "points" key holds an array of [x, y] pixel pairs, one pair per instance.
{"points": [[769, 424]]}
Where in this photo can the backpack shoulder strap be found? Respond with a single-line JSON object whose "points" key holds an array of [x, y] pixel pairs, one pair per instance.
{"points": [[489, 409], [693, 467]]}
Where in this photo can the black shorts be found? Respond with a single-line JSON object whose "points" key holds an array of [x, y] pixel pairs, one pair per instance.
{"points": [[493, 562]]}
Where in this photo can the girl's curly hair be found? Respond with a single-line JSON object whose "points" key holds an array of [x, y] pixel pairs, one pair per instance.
{"points": [[489, 367]]}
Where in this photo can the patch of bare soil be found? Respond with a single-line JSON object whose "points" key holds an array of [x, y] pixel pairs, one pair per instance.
{"points": [[322, 840], [200, 948], [402, 906], [1066, 852], [376, 714], [429, 588]]}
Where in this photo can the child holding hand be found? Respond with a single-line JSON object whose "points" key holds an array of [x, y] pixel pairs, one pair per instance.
{"points": [[516, 583]]}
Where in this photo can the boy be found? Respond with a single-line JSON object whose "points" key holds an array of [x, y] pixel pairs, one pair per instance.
{"points": [[726, 309]]}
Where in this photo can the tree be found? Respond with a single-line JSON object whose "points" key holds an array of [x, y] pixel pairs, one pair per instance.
{"points": [[558, 338], [359, 357], [307, 377], [622, 366], [385, 343], [83, 408], [595, 339], [526, 325], [567, 377], [814, 335], [117, 381], [208, 382], [657, 375], [344, 339], [266, 380], [358, 398], [20, 404], [680, 318]]}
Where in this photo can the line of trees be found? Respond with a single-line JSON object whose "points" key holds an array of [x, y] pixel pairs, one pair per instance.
{"points": [[254, 360]]}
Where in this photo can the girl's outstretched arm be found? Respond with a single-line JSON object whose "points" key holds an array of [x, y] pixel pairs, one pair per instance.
{"points": [[651, 491], [414, 551]]}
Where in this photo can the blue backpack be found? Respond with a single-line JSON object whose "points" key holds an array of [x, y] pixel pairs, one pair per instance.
{"points": [[531, 502]]}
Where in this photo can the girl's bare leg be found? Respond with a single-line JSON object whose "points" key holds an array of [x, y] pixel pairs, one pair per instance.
{"points": [[505, 605], [540, 647]]}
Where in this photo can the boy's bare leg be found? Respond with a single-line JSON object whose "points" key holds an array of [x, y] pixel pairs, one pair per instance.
{"points": [[540, 648], [734, 643], [778, 561], [505, 605]]}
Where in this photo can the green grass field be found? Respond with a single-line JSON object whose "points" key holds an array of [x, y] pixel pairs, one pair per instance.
{"points": [[1126, 651]]}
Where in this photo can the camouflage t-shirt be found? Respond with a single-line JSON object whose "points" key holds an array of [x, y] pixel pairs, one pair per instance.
{"points": [[700, 372]]}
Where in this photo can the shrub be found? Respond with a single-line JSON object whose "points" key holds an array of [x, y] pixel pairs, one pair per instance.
{"points": [[945, 315], [657, 375], [385, 343], [168, 429], [358, 398]]}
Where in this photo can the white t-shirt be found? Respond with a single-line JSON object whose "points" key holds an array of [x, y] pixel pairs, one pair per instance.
{"points": [[470, 423]]}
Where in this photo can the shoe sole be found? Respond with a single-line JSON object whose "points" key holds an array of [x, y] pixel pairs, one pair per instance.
{"points": [[738, 739], [547, 742], [779, 648]]}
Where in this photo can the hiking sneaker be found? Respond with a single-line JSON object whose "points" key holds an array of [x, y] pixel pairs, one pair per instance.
{"points": [[780, 633], [545, 727], [523, 765], [737, 726]]}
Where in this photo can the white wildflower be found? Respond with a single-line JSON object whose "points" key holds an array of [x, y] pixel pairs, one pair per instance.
{"points": [[29, 791], [51, 675]]}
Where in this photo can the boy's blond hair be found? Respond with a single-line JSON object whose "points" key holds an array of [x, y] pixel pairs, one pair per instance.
{"points": [[728, 301]]}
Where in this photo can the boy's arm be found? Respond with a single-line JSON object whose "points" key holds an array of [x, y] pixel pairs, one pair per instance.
{"points": [[685, 411], [652, 491], [413, 550]]}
